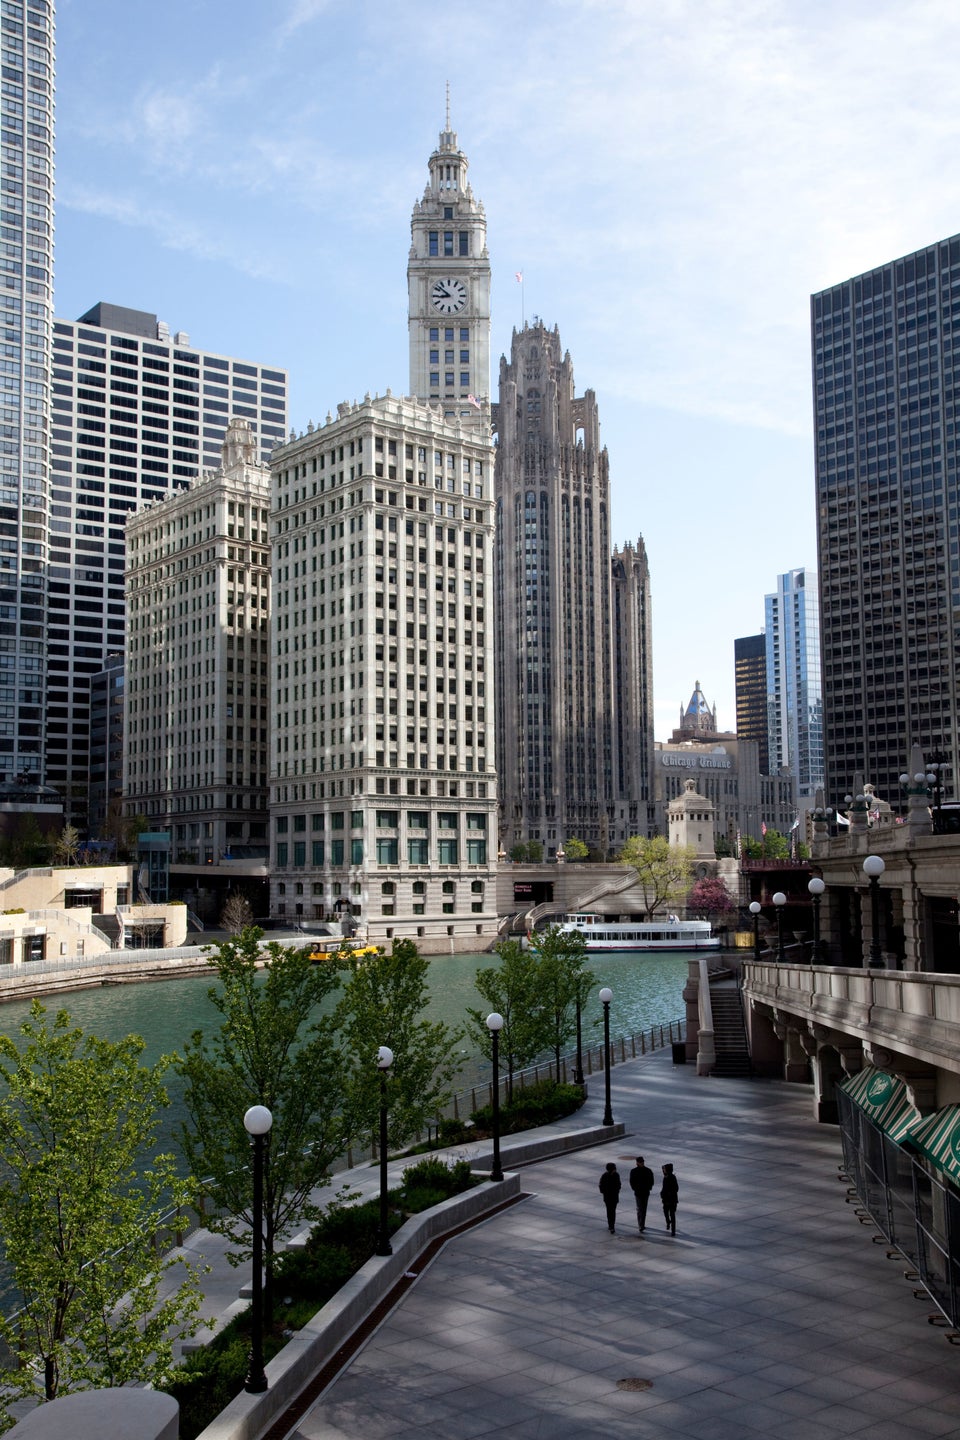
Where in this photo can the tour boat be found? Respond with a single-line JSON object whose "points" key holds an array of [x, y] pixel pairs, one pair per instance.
{"points": [[667, 934]]}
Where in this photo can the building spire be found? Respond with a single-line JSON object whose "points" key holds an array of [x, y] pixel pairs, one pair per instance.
{"points": [[448, 106]]}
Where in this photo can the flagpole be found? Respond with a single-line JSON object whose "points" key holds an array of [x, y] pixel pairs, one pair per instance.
{"points": [[523, 312]]}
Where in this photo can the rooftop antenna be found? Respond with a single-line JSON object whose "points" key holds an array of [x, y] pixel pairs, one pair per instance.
{"points": [[448, 104]]}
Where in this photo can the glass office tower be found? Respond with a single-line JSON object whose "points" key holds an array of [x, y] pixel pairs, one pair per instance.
{"points": [[886, 381], [26, 267]]}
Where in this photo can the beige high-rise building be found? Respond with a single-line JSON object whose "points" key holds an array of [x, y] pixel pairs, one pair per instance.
{"points": [[383, 805], [197, 672], [574, 693], [384, 801]]}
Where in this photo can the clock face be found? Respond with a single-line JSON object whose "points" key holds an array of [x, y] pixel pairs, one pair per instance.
{"points": [[448, 296]]}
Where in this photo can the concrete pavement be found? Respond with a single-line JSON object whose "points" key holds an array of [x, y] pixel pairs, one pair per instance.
{"points": [[770, 1313]]}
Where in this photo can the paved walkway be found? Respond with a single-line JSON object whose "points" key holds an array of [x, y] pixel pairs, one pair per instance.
{"points": [[771, 1313]]}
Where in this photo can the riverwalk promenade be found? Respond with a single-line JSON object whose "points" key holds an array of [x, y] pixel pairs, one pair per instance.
{"points": [[772, 1312]]}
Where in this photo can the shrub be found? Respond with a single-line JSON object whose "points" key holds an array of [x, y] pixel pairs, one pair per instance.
{"points": [[536, 1105]]}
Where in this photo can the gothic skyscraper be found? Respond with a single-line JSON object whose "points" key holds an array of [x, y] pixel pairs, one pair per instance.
{"points": [[566, 746]]}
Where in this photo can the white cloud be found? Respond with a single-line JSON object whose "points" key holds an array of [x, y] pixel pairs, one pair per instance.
{"points": [[171, 231]]}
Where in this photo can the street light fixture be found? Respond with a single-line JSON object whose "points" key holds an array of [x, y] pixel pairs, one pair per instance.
{"points": [[384, 1061], [779, 901], [257, 1122], [755, 908], [606, 995], [495, 1025], [873, 868], [816, 888]]}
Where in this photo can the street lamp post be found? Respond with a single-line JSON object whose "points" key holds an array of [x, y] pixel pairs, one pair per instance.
{"points": [[873, 868], [755, 908], [816, 888], [384, 1061], [495, 1025], [779, 901], [606, 995], [578, 1069], [257, 1122]]}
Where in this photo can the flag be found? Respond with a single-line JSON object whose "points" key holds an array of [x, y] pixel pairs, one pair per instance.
{"points": [[472, 400], [796, 824], [763, 827], [519, 275], [739, 846]]}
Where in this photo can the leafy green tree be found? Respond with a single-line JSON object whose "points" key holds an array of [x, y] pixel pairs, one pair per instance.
{"points": [[561, 980], [775, 846], [663, 870], [750, 848], [518, 852], [575, 849], [25, 845], [511, 989], [383, 1003], [78, 1220], [534, 851], [273, 1048]]}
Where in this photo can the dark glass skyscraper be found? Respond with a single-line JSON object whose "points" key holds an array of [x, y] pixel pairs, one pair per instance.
{"points": [[886, 392]]}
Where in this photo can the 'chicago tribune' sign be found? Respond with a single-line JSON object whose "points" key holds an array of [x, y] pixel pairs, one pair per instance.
{"points": [[695, 762]]}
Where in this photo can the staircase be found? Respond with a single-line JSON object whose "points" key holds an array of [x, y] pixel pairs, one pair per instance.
{"points": [[110, 926], [729, 1034]]}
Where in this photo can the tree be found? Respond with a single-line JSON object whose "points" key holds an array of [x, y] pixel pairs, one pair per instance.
{"points": [[25, 844], [561, 981], [518, 852], [511, 989], [67, 846], [382, 1004], [710, 896], [78, 1220], [237, 912], [775, 846], [534, 851], [575, 849], [663, 870], [273, 1048]]}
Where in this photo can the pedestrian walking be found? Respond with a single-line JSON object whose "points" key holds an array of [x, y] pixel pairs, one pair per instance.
{"points": [[669, 1194], [610, 1190], [641, 1183]]}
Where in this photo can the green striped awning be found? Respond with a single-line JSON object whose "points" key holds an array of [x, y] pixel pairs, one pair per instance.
{"points": [[938, 1138], [884, 1098]]}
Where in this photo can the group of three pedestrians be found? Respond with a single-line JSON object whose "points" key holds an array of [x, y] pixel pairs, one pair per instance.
{"points": [[641, 1181]]}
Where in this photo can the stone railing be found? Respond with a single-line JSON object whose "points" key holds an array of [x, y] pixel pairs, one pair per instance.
{"points": [[914, 1012]]}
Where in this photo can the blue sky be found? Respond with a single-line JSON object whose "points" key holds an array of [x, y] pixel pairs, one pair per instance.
{"points": [[674, 178]]}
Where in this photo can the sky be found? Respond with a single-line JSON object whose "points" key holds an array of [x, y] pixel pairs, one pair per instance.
{"points": [[672, 177]]}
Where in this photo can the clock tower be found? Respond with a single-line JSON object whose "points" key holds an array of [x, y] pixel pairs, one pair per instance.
{"points": [[448, 287]]}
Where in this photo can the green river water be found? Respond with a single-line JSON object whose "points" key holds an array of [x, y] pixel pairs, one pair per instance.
{"points": [[646, 992]]}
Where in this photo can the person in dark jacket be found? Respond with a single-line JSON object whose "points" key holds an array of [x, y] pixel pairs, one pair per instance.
{"points": [[669, 1194], [641, 1183], [610, 1190]]}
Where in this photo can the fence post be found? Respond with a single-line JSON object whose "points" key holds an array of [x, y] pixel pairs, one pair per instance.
{"points": [[623, 1051], [589, 1062], [633, 1046], [661, 1036]]}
